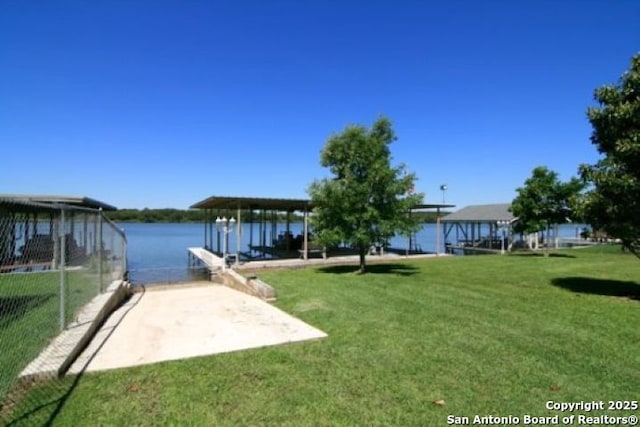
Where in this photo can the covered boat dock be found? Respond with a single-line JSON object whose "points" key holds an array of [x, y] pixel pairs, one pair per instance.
{"points": [[225, 215], [477, 229], [30, 224], [266, 213]]}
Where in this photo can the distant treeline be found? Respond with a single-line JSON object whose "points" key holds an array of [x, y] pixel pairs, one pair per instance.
{"points": [[156, 215], [429, 216], [177, 215], [197, 215]]}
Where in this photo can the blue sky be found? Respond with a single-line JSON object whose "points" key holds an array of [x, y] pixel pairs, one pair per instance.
{"points": [[164, 103]]}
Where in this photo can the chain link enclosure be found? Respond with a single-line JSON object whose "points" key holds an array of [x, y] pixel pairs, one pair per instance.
{"points": [[54, 259]]}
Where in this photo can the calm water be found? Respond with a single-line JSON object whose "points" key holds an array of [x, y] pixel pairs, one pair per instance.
{"points": [[158, 252]]}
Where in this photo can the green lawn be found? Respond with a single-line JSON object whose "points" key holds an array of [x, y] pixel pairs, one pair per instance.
{"points": [[489, 335], [30, 315]]}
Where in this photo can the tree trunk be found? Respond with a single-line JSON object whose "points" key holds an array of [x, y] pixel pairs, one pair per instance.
{"points": [[547, 243], [362, 262]]}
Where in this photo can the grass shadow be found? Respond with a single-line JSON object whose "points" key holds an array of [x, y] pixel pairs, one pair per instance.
{"points": [[605, 287], [14, 307], [41, 403], [542, 254], [393, 268]]}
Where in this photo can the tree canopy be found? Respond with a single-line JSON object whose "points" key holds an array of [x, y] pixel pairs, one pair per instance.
{"points": [[156, 215], [367, 200], [613, 205], [544, 200]]}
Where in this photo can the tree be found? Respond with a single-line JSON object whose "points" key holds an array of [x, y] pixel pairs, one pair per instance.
{"points": [[544, 201], [613, 205], [367, 201]]}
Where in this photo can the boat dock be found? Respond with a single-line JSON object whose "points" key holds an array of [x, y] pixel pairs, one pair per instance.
{"points": [[213, 262]]}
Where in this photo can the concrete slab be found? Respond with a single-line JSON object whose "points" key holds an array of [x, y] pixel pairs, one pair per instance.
{"points": [[333, 260], [183, 322], [55, 359]]}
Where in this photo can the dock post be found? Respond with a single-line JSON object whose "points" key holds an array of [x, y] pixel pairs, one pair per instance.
{"points": [[437, 231], [306, 234]]}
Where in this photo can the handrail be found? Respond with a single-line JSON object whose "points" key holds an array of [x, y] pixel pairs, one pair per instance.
{"points": [[114, 225]]}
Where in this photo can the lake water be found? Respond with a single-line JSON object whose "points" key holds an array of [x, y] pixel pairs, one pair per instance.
{"points": [[157, 252]]}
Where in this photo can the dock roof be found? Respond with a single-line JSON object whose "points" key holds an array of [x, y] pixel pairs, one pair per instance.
{"points": [[482, 213], [235, 202], [432, 206], [85, 202]]}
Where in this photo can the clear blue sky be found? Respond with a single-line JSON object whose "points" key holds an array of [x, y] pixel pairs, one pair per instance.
{"points": [[164, 103]]}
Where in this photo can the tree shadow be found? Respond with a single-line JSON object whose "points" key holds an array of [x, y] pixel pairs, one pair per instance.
{"points": [[541, 254], [393, 268], [605, 287]]}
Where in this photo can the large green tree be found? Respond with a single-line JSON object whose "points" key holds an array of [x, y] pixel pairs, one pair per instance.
{"points": [[613, 205], [367, 200], [544, 201]]}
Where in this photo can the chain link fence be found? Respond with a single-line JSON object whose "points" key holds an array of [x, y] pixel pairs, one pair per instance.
{"points": [[54, 259]]}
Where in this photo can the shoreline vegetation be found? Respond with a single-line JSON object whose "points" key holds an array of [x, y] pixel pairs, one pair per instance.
{"points": [[170, 215]]}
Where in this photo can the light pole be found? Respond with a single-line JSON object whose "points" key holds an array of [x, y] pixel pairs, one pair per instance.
{"points": [[226, 226], [443, 188], [503, 224]]}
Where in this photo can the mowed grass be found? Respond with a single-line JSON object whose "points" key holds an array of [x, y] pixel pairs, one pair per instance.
{"points": [[30, 315], [488, 335]]}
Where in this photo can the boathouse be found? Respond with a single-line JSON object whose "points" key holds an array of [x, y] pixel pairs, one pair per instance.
{"points": [[263, 212], [225, 215], [29, 225], [479, 229]]}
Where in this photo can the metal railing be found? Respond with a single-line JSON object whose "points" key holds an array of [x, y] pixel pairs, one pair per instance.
{"points": [[54, 259]]}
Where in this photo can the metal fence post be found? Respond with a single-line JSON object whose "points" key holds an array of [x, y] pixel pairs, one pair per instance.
{"points": [[54, 231], [100, 254], [112, 253], [63, 250], [123, 254]]}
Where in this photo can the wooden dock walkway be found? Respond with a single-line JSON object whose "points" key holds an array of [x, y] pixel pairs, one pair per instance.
{"points": [[213, 262]]}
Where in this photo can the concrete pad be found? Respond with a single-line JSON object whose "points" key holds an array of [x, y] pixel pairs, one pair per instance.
{"points": [[61, 352], [185, 322]]}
